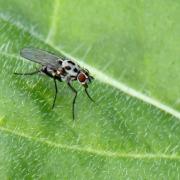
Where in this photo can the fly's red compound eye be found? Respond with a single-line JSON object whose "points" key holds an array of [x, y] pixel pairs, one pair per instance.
{"points": [[81, 77]]}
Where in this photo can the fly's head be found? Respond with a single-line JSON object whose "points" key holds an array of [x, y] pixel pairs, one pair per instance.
{"points": [[84, 77]]}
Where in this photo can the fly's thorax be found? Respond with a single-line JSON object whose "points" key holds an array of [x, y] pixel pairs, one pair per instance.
{"points": [[71, 68]]}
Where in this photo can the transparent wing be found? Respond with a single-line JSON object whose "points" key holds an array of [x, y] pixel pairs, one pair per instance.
{"points": [[41, 57]]}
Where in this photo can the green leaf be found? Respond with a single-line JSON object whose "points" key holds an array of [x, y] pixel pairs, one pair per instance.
{"points": [[132, 49]]}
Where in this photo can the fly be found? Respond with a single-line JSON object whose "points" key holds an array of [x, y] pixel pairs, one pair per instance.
{"points": [[59, 69]]}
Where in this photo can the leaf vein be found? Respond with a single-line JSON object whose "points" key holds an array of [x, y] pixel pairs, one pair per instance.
{"points": [[87, 150], [52, 29]]}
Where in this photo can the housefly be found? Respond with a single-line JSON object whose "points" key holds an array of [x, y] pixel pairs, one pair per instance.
{"points": [[59, 69]]}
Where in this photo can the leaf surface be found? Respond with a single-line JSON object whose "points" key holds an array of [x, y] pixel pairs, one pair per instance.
{"points": [[118, 137]]}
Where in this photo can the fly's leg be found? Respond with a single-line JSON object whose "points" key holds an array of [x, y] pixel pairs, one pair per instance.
{"points": [[89, 95], [56, 91], [74, 100], [30, 73]]}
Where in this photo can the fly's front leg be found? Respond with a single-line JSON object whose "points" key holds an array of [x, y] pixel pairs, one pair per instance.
{"points": [[88, 95], [74, 100]]}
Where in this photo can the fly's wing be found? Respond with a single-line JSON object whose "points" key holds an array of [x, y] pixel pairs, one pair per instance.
{"points": [[41, 57]]}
